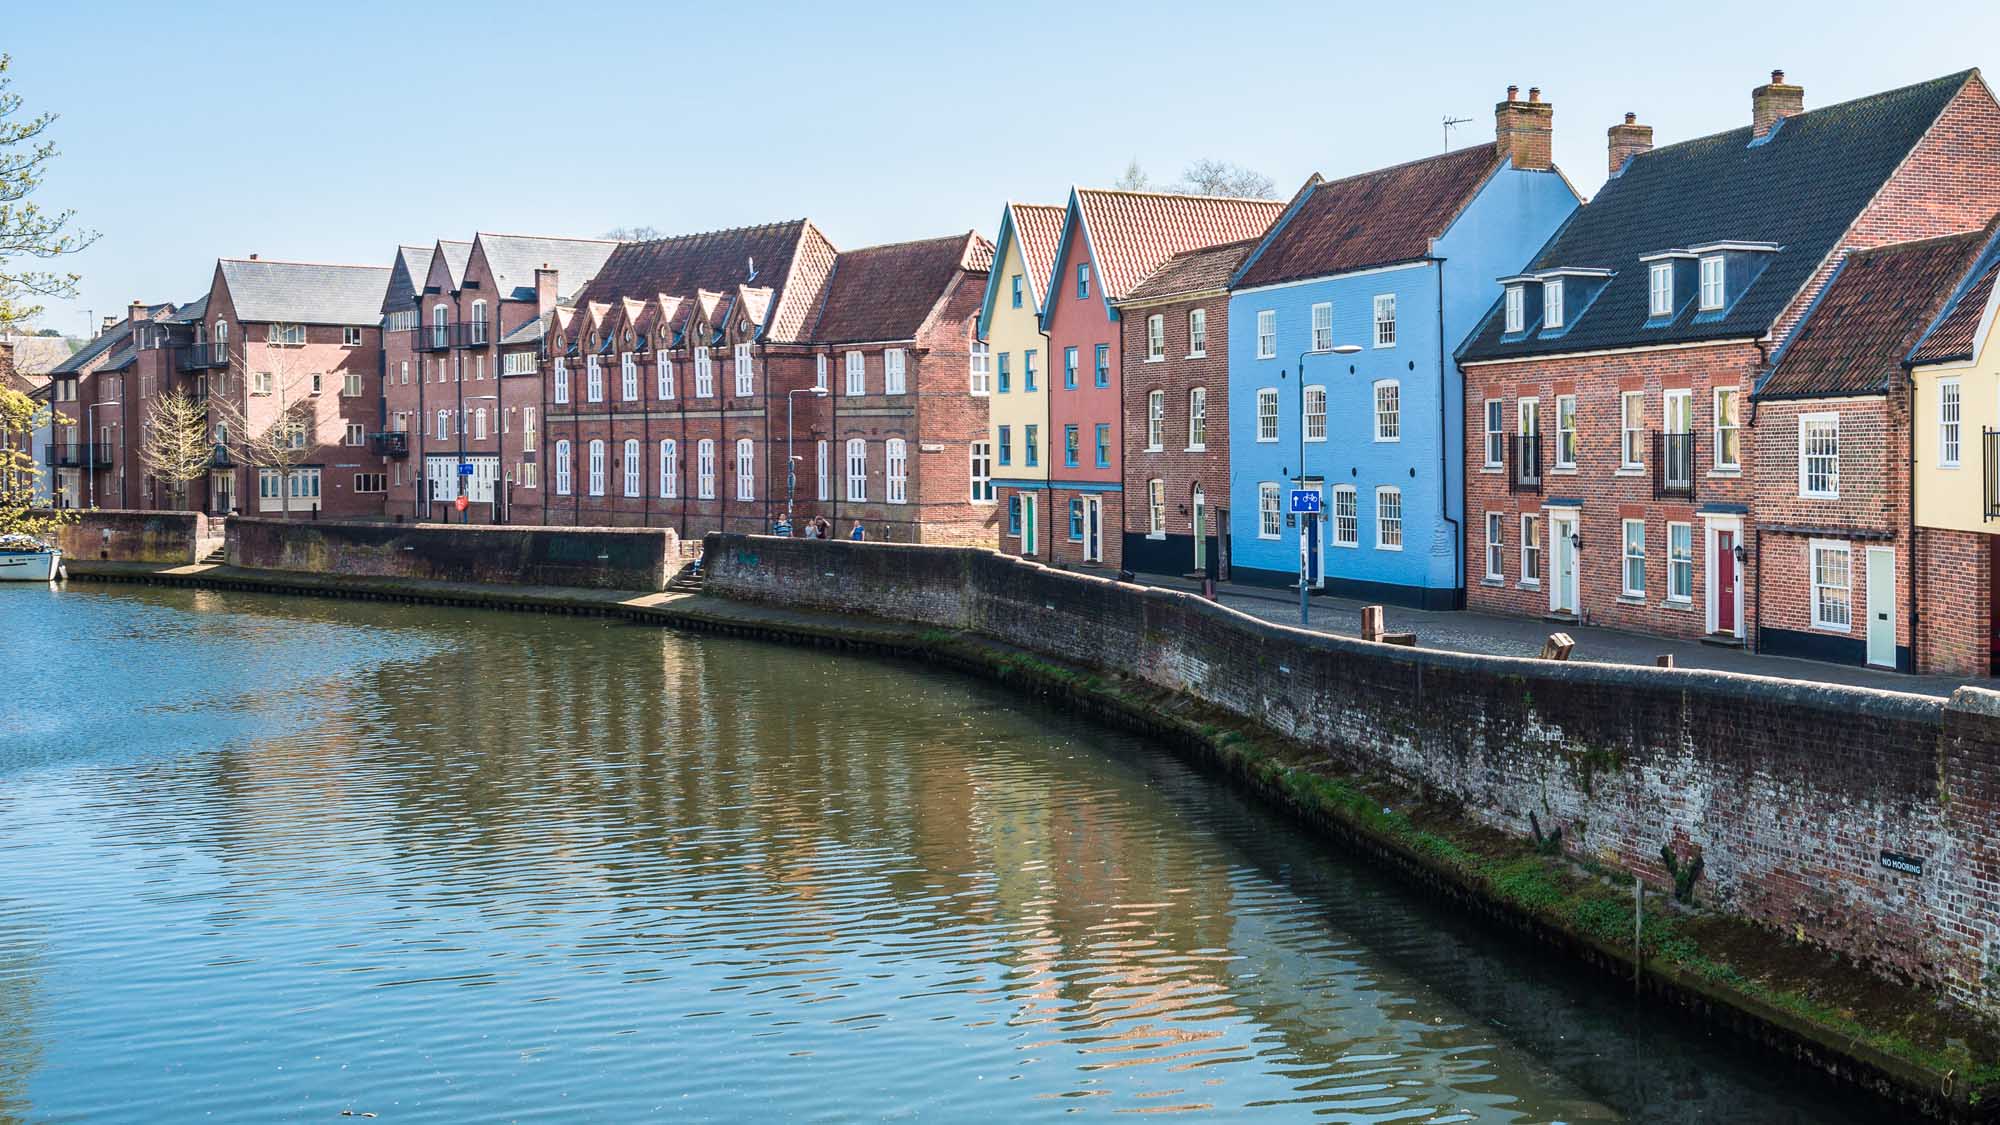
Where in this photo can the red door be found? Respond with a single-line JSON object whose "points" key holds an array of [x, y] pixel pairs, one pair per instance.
{"points": [[1725, 582]]}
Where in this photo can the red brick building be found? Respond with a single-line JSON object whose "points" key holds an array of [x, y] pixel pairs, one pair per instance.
{"points": [[98, 404], [1175, 348], [1611, 455]]}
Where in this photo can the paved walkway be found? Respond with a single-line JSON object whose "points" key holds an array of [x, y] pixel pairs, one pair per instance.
{"points": [[1466, 631]]}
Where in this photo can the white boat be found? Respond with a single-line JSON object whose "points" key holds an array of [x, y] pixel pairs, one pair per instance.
{"points": [[29, 566]]}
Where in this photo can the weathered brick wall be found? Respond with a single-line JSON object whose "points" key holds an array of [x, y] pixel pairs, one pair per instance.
{"points": [[1790, 791], [1180, 468], [1954, 601], [607, 558], [133, 536]]}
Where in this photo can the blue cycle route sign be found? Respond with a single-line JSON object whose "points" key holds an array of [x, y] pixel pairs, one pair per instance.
{"points": [[1305, 501], [465, 468]]}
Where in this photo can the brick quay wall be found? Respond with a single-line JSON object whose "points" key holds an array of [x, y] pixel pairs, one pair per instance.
{"points": [[603, 558]]}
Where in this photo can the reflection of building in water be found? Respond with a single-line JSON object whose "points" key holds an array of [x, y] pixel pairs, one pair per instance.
{"points": [[20, 985]]}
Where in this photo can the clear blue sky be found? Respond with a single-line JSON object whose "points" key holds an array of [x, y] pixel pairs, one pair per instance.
{"points": [[335, 131]]}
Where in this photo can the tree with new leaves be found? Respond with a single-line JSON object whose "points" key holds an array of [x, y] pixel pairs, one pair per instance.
{"points": [[279, 435], [174, 446], [29, 235], [20, 511]]}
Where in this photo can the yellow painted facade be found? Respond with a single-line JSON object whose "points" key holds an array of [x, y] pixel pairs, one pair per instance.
{"points": [[1952, 495], [1016, 346]]}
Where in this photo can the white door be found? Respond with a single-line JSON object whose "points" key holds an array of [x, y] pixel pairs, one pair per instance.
{"points": [[1093, 529], [1562, 576], [1882, 607]]}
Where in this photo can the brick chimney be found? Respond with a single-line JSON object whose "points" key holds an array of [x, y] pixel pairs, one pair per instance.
{"points": [[1525, 130], [1772, 101], [107, 324], [545, 290], [1627, 140]]}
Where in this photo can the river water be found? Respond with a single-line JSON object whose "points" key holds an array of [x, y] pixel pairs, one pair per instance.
{"points": [[269, 860]]}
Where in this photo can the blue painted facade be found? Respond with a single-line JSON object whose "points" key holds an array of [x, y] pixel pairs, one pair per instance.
{"points": [[1438, 302]]}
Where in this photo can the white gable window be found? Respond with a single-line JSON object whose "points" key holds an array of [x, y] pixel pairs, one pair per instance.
{"points": [[892, 372], [663, 375], [1712, 288], [1388, 518], [562, 380], [1949, 408], [1388, 410], [1385, 320], [1322, 325], [857, 374], [670, 470], [857, 470], [562, 467], [745, 383], [704, 469], [1819, 456], [597, 467], [1515, 304], [1156, 338], [704, 373], [896, 456], [1156, 418], [982, 368], [593, 379], [1660, 289], [633, 466], [628, 377], [1552, 304], [1197, 333], [746, 469], [1267, 334], [1267, 414]]}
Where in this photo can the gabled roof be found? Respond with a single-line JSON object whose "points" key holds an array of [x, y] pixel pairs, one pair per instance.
{"points": [[455, 255], [513, 258], [1800, 188], [1036, 229], [193, 312], [1377, 218], [92, 355], [406, 277], [1955, 334], [1131, 232], [36, 356], [1853, 339], [1194, 271], [791, 257], [887, 292], [265, 292]]}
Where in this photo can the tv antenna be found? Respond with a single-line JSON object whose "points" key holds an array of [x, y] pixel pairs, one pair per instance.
{"points": [[1451, 123]]}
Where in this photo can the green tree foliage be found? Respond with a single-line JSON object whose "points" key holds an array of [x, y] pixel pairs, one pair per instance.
{"points": [[29, 236], [20, 416]]}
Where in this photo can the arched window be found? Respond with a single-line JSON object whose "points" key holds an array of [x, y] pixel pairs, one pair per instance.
{"points": [[597, 466], [632, 466], [895, 455], [219, 352], [628, 377], [562, 467], [857, 469], [664, 374], [704, 469], [670, 470], [825, 491], [440, 325], [562, 380], [593, 378], [478, 326], [479, 424], [746, 470]]}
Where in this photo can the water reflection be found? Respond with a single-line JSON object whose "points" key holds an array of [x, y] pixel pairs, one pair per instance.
{"points": [[442, 865]]}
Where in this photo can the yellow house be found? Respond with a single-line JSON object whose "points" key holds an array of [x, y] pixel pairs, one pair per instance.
{"points": [[1018, 371], [1955, 416]]}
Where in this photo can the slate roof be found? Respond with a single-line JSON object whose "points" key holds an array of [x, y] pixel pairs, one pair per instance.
{"points": [[1193, 271], [88, 357], [1801, 188], [791, 257], [1377, 218], [1853, 339], [1132, 232], [887, 292], [265, 292], [406, 277], [36, 356], [513, 259], [1954, 335], [192, 312], [456, 255]]}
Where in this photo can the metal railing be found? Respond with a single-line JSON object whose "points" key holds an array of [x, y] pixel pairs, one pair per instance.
{"points": [[1524, 462], [393, 443], [460, 334], [1990, 473], [1673, 464], [219, 458], [200, 357], [79, 454]]}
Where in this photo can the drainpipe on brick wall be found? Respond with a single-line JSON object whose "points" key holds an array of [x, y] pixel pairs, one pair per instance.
{"points": [[1444, 445], [418, 510], [1753, 635], [1910, 426], [1049, 428]]}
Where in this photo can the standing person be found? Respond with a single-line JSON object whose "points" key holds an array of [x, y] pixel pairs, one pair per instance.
{"points": [[825, 528], [857, 534], [812, 529]]}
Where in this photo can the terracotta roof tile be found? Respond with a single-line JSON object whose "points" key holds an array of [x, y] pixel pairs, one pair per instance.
{"points": [[1193, 271], [1955, 335], [887, 292], [1039, 228], [1132, 232]]}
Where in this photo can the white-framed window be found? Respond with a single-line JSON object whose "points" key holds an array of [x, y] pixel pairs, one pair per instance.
{"points": [[1565, 431], [819, 372], [1268, 520], [892, 372], [825, 478], [260, 383], [1677, 411], [663, 375], [1680, 562], [1156, 418], [1197, 333], [318, 382], [704, 469], [1388, 518], [1819, 456], [1660, 289], [1949, 409], [350, 385], [1728, 435], [1514, 302], [371, 482], [982, 472], [1315, 413], [1156, 338], [287, 335], [746, 469], [443, 424], [1197, 419], [896, 465], [1832, 565], [1388, 410], [981, 371], [670, 469], [746, 384], [477, 326], [1267, 334], [1632, 428], [1322, 327], [1552, 303], [562, 380], [528, 428], [1496, 432], [1531, 547], [1346, 516], [350, 337], [1634, 572], [357, 434], [596, 466], [857, 374], [857, 470], [593, 379], [628, 377], [406, 373], [633, 467], [1385, 320], [562, 467], [1156, 508], [479, 423], [704, 373], [517, 363], [1496, 546], [1712, 289], [1267, 414]]}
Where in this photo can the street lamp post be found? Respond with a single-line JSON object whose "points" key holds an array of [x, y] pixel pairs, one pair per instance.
{"points": [[1309, 521], [791, 463]]}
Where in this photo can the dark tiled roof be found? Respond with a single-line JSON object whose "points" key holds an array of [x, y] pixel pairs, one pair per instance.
{"points": [[87, 357], [264, 292], [1801, 188], [514, 258], [720, 261], [1193, 271], [122, 355], [191, 313], [1853, 339], [1374, 219], [456, 255], [1955, 333], [406, 277], [887, 292]]}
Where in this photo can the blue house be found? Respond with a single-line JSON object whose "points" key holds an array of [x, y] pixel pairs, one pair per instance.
{"points": [[1344, 318]]}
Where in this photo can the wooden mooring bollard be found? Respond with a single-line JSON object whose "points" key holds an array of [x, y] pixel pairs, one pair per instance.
{"points": [[1557, 647], [1374, 627]]}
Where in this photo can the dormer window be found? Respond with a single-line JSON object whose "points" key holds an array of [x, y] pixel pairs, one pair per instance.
{"points": [[1711, 282], [1516, 305], [1660, 289], [1552, 303]]}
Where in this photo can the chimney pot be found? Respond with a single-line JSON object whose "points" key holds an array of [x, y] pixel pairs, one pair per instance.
{"points": [[1631, 118], [1627, 140], [1524, 131], [1534, 93], [1513, 93], [1777, 78], [253, 257], [1773, 103]]}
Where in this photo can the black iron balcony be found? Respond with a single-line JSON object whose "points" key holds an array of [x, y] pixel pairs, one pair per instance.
{"points": [[430, 338], [220, 458], [1673, 465], [390, 444], [79, 455], [200, 357], [462, 334], [1524, 463]]}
